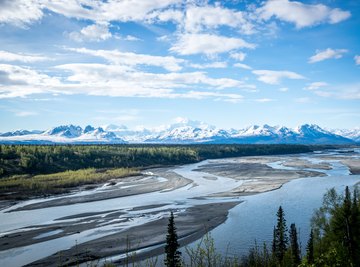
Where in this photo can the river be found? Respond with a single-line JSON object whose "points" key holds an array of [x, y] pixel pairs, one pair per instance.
{"points": [[253, 218]]}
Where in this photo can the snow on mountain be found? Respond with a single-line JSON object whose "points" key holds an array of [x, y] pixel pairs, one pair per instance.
{"points": [[185, 131], [353, 134], [65, 134], [20, 133]]}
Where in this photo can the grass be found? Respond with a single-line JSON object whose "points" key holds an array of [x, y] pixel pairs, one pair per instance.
{"points": [[59, 182]]}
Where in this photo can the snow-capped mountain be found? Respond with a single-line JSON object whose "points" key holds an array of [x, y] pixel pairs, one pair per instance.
{"points": [[353, 134], [20, 133], [64, 134], [184, 132]]}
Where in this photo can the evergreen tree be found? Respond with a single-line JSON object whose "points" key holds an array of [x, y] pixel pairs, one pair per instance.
{"points": [[355, 222], [280, 236], [172, 258], [310, 249], [294, 245]]}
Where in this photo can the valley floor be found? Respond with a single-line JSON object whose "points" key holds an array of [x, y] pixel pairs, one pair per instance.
{"points": [[101, 220]]}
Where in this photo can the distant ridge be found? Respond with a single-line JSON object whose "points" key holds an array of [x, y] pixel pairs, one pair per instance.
{"points": [[183, 132]]}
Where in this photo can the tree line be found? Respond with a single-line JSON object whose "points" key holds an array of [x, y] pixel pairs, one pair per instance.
{"points": [[45, 159]]}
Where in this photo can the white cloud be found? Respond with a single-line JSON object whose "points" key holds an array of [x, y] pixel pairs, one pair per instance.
{"points": [[243, 66], [132, 59], [209, 44], [283, 89], [315, 86], [117, 75], [18, 81], [357, 60], [20, 12], [96, 32], [176, 16], [27, 58], [199, 18], [275, 77], [302, 15], [240, 56], [111, 10], [213, 65], [327, 54]]}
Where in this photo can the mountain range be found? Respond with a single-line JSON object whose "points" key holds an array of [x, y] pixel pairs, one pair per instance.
{"points": [[184, 132]]}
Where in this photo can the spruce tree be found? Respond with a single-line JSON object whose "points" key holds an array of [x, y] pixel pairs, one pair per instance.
{"points": [[294, 245], [355, 223], [280, 236], [172, 257], [310, 249]]}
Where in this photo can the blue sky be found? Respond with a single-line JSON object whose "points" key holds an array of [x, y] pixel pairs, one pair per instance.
{"points": [[147, 63]]}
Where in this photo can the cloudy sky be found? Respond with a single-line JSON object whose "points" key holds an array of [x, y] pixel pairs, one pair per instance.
{"points": [[139, 62]]}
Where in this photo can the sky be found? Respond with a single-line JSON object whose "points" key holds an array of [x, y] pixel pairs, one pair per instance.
{"points": [[144, 63]]}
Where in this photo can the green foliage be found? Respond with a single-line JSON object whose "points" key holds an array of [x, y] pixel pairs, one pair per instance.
{"points": [[310, 248], [294, 245], [172, 254], [43, 159], [59, 182], [336, 226], [280, 238]]}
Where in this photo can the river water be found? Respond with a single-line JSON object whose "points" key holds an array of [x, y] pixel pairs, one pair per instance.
{"points": [[253, 218]]}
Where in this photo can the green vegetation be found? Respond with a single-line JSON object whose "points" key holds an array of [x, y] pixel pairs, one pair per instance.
{"points": [[26, 185], [336, 226], [172, 254], [37, 170], [45, 159]]}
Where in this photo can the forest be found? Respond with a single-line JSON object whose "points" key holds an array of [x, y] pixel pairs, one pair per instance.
{"points": [[41, 170], [45, 159]]}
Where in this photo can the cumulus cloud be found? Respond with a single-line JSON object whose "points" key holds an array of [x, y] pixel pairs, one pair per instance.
{"points": [[275, 77], [327, 54], [199, 18], [209, 44], [95, 32], [302, 15], [20, 12], [132, 59], [357, 60], [27, 58]]}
